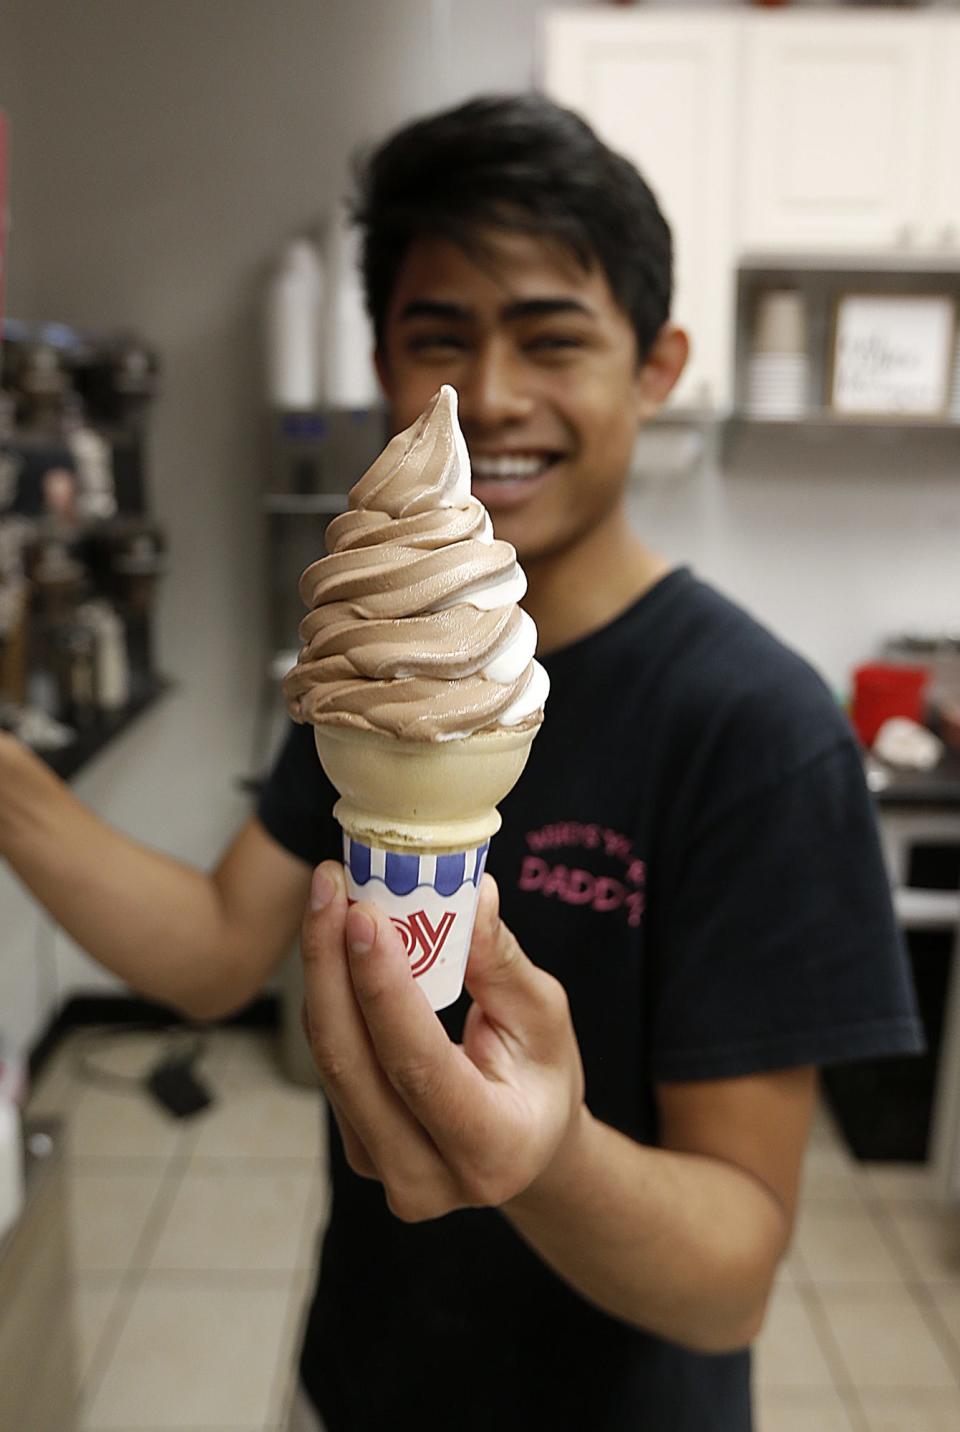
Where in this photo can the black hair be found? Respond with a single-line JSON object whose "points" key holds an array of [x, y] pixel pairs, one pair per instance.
{"points": [[522, 163]]}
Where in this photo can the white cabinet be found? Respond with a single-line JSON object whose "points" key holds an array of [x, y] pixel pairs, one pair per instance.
{"points": [[660, 91], [840, 131], [810, 133], [945, 148]]}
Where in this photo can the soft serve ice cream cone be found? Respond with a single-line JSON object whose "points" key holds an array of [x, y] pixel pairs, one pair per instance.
{"points": [[418, 674]]}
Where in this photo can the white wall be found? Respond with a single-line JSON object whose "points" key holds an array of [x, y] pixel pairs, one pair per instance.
{"points": [[162, 151], [834, 544]]}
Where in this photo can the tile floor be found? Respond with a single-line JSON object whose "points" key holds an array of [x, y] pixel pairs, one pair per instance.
{"points": [[194, 1246]]}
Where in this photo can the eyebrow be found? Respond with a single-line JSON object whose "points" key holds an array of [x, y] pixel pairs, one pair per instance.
{"points": [[511, 312]]}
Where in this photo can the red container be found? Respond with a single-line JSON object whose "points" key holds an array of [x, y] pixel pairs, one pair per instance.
{"points": [[882, 690]]}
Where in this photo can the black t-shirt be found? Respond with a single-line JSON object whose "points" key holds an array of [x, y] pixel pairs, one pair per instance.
{"points": [[692, 851]]}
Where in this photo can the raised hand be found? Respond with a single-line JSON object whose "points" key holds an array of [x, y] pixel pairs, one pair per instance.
{"points": [[441, 1125]]}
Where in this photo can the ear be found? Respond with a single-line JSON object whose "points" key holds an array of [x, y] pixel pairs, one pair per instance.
{"points": [[662, 367]]}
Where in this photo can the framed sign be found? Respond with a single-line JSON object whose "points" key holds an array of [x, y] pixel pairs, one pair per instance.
{"points": [[892, 354]]}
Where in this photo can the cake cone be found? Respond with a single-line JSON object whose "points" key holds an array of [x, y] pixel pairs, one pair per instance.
{"points": [[417, 819]]}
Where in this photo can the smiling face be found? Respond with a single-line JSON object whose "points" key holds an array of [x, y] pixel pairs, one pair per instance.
{"points": [[545, 364]]}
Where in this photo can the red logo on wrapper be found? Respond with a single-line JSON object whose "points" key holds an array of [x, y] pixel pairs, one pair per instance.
{"points": [[418, 935], [422, 940]]}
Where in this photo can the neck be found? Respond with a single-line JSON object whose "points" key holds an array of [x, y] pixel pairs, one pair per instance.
{"points": [[580, 589]]}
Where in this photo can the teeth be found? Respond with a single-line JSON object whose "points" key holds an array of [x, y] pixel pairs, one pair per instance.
{"points": [[508, 467]]}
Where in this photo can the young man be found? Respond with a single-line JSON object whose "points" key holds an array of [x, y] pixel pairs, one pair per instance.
{"points": [[688, 864], [563, 1204]]}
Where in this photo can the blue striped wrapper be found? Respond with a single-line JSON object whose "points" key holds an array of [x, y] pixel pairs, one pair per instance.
{"points": [[402, 874], [431, 901]]}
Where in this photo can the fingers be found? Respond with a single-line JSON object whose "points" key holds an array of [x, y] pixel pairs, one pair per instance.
{"points": [[339, 1041], [357, 1156], [523, 1003], [476, 1124], [353, 1147], [429, 1073], [440, 1125], [334, 1027], [381, 1136]]}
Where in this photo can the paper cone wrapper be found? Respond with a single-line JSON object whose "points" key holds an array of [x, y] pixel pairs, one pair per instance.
{"points": [[431, 899]]}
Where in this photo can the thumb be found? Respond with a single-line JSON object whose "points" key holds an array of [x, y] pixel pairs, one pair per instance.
{"points": [[507, 985]]}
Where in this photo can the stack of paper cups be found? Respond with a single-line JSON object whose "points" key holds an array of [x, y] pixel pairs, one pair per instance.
{"points": [[431, 900], [778, 369]]}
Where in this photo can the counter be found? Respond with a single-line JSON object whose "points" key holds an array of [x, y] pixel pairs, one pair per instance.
{"points": [[938, 788]]}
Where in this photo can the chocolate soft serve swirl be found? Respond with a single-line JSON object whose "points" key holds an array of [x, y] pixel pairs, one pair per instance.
{"points": [[414, 629]]}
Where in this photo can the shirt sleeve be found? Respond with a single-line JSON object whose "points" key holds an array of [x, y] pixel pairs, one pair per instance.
{"points": [[779, 945], [296, 803]]}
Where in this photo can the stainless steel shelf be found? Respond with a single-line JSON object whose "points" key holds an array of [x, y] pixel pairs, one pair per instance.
{"points": [[814, 420], [898, 261], [823, 420]]}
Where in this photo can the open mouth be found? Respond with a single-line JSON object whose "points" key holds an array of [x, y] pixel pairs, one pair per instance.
{"points": [[511, 468]]}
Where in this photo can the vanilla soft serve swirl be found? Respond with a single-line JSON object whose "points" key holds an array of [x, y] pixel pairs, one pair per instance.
{"points": [[414, 628]]}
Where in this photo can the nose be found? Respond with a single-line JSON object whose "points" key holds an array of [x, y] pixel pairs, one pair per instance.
{"points": [[492, 391]]}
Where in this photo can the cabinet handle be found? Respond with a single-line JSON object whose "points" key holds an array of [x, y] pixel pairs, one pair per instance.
{"points": [[948, 235], [906, 235]]}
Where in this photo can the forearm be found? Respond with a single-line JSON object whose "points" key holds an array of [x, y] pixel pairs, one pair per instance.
{"points": [[678, 1244], [155, 922]]}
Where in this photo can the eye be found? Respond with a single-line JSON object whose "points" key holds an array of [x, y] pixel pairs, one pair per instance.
{"points": [[555, 342], [436, 343]]}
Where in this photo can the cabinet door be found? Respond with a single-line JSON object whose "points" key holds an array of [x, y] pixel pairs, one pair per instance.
{"points": [[945, 152], [661, 91], [836, 118]]}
